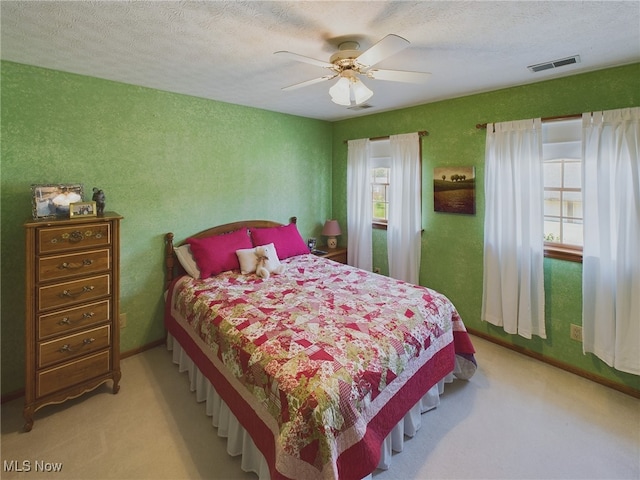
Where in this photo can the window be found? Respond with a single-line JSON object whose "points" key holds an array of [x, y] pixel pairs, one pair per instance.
{"points": [[562, 174], [380, 194], [380, 175]]}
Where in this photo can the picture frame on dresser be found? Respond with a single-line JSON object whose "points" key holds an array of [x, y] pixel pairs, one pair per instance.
{"points": [[82, 209], [51, 200]]}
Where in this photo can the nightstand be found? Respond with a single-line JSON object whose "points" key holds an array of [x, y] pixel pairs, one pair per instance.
{"points": [[338, 254]]}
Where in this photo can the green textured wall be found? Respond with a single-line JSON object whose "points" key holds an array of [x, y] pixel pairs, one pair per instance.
{"points": [[166, 162], [452, 244], [170, 162]]}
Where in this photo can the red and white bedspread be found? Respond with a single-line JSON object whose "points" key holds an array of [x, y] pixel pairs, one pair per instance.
{"points": [[320, 362]]}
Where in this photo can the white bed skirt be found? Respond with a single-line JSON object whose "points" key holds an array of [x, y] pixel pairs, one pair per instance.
{"points": [[240, 443]]}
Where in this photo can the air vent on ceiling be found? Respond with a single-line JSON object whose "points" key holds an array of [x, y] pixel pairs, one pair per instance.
{"points": [[362, 106], [554, 64]]}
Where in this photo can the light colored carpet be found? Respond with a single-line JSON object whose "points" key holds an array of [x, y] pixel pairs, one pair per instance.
{"points": [[516, 418]]}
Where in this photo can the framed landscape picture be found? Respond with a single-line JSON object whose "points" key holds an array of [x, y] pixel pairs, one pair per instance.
{"points": [[454, 190]]}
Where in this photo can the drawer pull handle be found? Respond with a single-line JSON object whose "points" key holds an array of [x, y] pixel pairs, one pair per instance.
{"points": [[69, 293], [67, 320], [67, 348], [74, 266], [76, 236]]}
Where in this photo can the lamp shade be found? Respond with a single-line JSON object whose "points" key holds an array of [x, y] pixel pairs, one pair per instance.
{"points": [[331, 228]]}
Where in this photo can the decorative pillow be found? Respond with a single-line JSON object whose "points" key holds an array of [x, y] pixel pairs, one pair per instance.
{"points": [[286, 239], [217, 253], [185, 257], [248, 258]]}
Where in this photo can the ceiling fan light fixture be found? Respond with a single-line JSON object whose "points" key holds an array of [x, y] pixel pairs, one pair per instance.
{"points": [[360, 92], [340, 92], [349, 62], [349, 90]]}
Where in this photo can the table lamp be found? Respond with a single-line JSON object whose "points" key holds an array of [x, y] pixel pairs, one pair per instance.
{"points": [[331, 229]]}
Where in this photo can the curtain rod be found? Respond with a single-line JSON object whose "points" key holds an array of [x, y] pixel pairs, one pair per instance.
{"points": [[544, 119], [421, 133]]}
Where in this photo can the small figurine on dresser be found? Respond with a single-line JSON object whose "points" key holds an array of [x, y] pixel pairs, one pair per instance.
{"points": [[99, 198]]}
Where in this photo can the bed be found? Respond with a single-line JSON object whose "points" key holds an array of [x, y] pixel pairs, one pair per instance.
{"points": [[316, 370]]}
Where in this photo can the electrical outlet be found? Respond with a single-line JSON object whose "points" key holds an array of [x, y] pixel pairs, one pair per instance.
{"points": [[575, 332], [123, 320]]}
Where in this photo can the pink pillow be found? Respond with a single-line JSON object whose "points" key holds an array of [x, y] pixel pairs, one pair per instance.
{"points": [[218, 253], [286, 239]]}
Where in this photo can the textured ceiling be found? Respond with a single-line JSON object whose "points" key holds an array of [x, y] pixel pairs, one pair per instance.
{"points": [[223, 50]]}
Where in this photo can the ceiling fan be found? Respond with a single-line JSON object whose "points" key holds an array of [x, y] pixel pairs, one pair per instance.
{"points": [[349, 62]]}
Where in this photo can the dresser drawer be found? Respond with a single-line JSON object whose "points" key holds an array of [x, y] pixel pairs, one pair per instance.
{"points": [[73, 237], [73, 264], [70, 293], [86, 368], [72, 346], [72, 319]]}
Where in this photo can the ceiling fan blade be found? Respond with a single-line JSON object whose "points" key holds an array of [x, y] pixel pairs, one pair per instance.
{"points": [[309, 82], [398, 76], [384, 48], [302, 58]]}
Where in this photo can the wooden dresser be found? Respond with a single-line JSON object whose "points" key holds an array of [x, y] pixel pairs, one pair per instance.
{"points": [[72, 304]]}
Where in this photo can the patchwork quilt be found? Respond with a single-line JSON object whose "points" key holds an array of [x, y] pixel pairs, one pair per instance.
{"points": [[326, 356]]}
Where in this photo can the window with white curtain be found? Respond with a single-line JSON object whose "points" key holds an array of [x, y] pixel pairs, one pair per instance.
{"points": [[402, 197], [591, 190], [380, 181]]}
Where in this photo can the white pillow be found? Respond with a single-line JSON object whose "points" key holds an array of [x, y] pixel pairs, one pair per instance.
{"points": [[249, 261], [185, 257]]}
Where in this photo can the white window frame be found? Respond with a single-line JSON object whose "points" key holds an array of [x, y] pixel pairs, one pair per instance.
{"points": [[562, 145], [380, 158]]}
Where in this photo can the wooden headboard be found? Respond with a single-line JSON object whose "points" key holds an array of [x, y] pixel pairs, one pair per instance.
{"points": [[173, 267]]}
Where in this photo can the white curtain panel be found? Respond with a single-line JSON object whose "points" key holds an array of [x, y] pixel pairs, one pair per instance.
{"points": [[404, 226], [359, 206], [513, 283], [611, 253]]}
